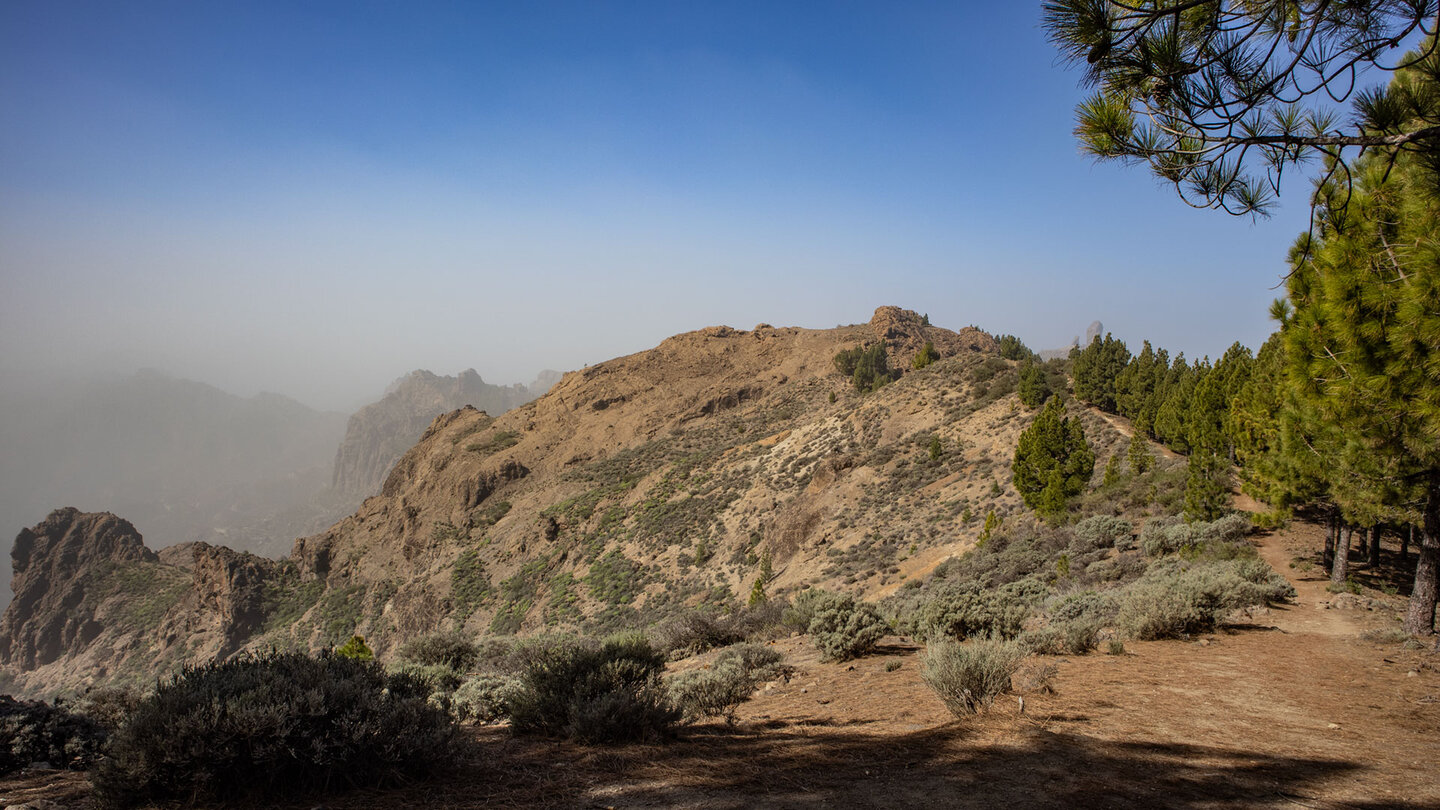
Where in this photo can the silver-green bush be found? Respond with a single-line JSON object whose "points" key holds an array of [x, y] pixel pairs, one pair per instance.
{"points": [[1177, 598], [483, 698], [1101, 531], [847, 629], [968, 676]]}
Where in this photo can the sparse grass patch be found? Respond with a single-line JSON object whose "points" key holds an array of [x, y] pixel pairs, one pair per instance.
{"points": [[500, 440], [469, 583]]}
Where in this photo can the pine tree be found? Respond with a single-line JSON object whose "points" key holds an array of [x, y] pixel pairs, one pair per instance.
{"points": [[1206, 489], [925, 356], [1138, 453], [1033, 387], [1222, 98], [1172, 417], [1205, 424], [1112, 471], [1096, 370], [1053, 462], [1363, 343]]}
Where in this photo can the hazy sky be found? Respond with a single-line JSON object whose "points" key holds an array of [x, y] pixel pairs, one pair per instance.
{"points": [[315, 197]]}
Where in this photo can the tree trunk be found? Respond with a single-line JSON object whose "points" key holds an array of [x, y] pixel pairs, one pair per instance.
{"points": [[1375, 546], [1405, 538], [1328, 558], [1341, 567], [1420, 618]]}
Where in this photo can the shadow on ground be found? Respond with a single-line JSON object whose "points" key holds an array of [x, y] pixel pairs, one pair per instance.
{"points": [[804, 766]]}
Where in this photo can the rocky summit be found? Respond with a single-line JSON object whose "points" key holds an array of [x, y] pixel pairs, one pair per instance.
{"points": [[632, 490]]}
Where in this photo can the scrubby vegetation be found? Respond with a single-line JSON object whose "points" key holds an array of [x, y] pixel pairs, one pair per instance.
{"points": [[968, 677], [264, 726], [868, 367], [33, 731], [593, 692], [484, 698], [840, 627], [717, 691]]}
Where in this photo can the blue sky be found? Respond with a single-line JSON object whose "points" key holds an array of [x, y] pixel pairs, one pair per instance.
{"points": [[315, 197]]}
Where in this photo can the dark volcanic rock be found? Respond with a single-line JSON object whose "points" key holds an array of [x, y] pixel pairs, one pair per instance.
{"points": [[51, 563], [230, 584]]}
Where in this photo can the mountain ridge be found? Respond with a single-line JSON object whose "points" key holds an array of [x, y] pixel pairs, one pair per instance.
{"points": [[634, 488]]}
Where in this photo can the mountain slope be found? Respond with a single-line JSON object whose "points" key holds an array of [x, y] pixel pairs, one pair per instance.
{"points": [[635, 488]]}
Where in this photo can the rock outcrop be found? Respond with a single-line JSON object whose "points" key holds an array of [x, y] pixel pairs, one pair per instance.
{"points": [[380, 433], [229, 585], [53, 564]]}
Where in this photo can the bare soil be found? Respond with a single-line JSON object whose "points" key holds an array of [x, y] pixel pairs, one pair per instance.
{"points": [[1312, 704]]}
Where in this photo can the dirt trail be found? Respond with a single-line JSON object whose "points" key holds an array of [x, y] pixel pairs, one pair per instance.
{"points": [[1311, 611]]}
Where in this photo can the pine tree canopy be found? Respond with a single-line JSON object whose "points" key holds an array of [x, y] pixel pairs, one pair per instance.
{"points": [[1363, 340], [1053, 462], [1218, 97]]}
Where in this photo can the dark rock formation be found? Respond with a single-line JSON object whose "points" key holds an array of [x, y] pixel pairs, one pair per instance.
{"points": [[230, 585], [52, 561]]}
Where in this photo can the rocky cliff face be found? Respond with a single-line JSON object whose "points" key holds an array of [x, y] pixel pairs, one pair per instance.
{"points": [[381, 432], [633, 489], [53, 563]]}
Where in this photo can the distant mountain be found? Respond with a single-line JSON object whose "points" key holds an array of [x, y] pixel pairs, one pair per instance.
{"points": [[183, 460], [379, 433]]}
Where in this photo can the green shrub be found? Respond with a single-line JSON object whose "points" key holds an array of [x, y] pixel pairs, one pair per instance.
{"points": [[1081, 636], [1076, 637], [1090, 605], [803, 606], [432, 677], [1047, 640], [738, 670], [356, 648], [449, 649], [34, 731], [609, 692], [969, 676], [842, 628], [1101, 531], [709, 693], [1177, 598], [1169, 536], [693, 632], [965, 609], [483, 698], [269, 726], [110, 706]]}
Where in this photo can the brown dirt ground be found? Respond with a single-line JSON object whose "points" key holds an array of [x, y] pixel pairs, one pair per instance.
{"points": [[1291, 708]]}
